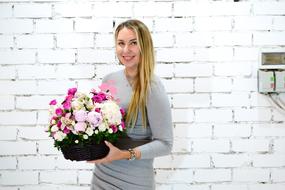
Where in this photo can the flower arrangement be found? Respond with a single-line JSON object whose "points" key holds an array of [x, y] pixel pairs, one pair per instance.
{"points": [[82, 119]]}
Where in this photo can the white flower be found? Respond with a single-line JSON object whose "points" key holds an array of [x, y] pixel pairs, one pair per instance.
{"points": [[110, 130], [85, 136], [111, 112], [120, 128], [96, 131], [76, 141], [102, 127], [89, 131], [54, 128], [59, 136]]}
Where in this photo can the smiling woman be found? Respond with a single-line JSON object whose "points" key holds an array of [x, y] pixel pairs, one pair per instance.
{"points": [[148, 118]]}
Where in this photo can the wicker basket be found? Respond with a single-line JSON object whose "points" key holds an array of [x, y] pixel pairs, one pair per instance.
{"points": [[90, 151]]}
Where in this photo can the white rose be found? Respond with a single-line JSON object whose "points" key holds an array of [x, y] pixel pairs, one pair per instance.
{"points": [[102, 127], [89, 131], [111, 112], [110, 130], [59, 136], [54, 128], [85, 136]]}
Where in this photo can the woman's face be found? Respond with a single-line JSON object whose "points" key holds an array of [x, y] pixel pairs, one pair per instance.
{"points": [[127, 48]]}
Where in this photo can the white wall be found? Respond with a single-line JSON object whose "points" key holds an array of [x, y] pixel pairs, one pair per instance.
{"points": [[227, 135]]}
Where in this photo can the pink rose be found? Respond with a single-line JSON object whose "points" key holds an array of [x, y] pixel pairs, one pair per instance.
{"points": [[58, 111], [80, 126], [80, 116], [72, 91], [94, 117], [53, 102], [66, 105], [114, 128]]}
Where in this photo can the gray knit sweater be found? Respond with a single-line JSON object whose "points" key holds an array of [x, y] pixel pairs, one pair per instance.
{"points": [[138, 174]]}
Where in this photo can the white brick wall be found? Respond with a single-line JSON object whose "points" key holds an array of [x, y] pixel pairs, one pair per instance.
{"points": [[226, 134]]}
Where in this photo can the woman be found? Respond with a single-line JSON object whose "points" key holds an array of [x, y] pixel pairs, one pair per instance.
{"points": [[148, 117]]}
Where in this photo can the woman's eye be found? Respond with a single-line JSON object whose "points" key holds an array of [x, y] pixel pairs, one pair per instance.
{"points": [[134, 43], [120, 43]]}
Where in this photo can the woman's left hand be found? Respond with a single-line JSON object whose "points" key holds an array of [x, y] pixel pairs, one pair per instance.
{"points": [[114, 154]]}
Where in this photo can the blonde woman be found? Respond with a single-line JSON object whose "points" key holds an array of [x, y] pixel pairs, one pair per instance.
{"points": [[148, 119]]}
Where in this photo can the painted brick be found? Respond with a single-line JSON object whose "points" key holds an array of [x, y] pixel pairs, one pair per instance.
{"points": [[245, 54], [268, 38], [84, 177], [19, 178], [58, 177], [72, 9], [164, 70], [251, 175], [17, 56], [36, 72], [252, 145], [232, 39], [179, 85], [34, 162], [191, 161], [6, 41], [206, 24], [54, 26], [210, 175], [103, 70], [17, 148], [35, 41], [191, 100], [113, 9], [16, 26], [279, 145], [206, 145], [232, 130], [272, 8], [64, 164], [5, 10], [104, 40], [257, 99], [96, 56], [212, 54], [7, 102], [278, 175], [32, 133], [163, 162], [170, 176], [75, 71], [238, 99], [150, 9], [18, 87], [75, 40], [255, 114], [278, 23], [230, 160], [54, 87], [273, 160], [182, 115], [173, 24], [266, 186], [193, 70], [175, 55], [244, 84], [94, 25], [268, 130], [162, 40], [23, 118], [7, 72], [181, 145], [200, 39], [213, 115], [47, 147], [8, 133], [8, 163], [56, 56], [228, 186], [38, 10], [192, 131], [245, 23]]}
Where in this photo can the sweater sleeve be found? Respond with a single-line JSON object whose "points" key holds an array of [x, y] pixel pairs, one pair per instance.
{"points": [[160, 122]]}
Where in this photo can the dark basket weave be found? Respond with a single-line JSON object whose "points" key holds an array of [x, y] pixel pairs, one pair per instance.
{"points": [[91, 151]]}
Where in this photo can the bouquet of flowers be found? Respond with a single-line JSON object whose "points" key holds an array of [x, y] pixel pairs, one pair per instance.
{"points": [[80, 124]]}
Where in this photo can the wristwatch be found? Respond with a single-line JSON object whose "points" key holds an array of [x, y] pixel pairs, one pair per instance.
{"points": [[132, 154]]}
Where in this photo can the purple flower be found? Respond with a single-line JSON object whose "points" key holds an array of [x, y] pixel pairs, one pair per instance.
{"points": [[53, 102], [58, 111], [80, 126], [72, 91], [94, 117], [80, 116]]}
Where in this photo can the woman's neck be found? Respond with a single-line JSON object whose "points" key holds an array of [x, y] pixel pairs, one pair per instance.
{"points": [[131, 75]]}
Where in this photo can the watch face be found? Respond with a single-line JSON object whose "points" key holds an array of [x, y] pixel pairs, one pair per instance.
{"points": [[132, 154]]}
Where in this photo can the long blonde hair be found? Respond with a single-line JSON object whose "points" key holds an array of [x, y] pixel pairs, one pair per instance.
{"points": [[145, 71]]}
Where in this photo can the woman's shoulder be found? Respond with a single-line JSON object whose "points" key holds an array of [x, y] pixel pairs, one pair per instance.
{"points": [[113, 76], [157, 84]]}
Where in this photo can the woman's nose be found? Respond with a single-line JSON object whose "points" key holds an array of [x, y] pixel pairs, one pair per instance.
{"points": [[126, 48]]}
